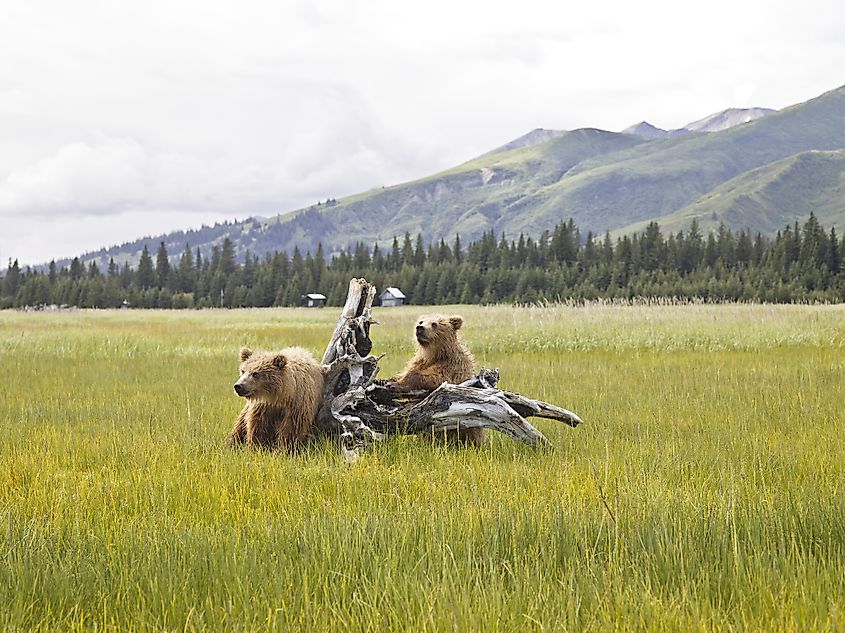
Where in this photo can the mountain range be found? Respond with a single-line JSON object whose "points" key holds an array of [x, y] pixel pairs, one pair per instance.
{"points": [[754, 169], [714, 123]]}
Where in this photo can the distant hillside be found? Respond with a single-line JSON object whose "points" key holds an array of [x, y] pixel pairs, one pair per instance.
{"points": [[203, 238], [466, 200], [770, 197], [664, 176], [606, 181]]}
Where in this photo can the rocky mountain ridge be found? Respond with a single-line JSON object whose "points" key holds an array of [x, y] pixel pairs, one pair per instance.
{"points": [[606, 181]]}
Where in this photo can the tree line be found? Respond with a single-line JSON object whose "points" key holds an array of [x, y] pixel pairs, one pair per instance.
{"points": [[801, 263]]}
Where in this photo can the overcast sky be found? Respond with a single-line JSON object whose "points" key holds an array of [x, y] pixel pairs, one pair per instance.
{"points": [[124, 119]]}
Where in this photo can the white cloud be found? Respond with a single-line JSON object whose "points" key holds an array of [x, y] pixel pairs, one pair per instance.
{"points": [[228, 109], [79, 178]]}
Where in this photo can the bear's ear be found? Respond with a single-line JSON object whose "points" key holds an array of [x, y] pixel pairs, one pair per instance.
{"points": [[279, 361], [245, 353], [456, 321]]}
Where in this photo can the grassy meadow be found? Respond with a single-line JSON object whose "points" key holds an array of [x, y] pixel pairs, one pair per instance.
{"points": [[705, 491]]}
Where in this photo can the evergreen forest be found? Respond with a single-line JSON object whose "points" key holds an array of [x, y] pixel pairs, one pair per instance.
{"points": [[799, 264]]}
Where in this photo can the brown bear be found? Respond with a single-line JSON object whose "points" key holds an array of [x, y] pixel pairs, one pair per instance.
{"points": [[283, 391], [440, 357]]}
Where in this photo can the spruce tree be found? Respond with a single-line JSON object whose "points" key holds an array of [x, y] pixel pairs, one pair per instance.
{"points": [[407, 251], [145, 276], [162, 266], [834, 255], [419, 252], [227, 257], [377, 259], [11, 281], [394, 261], [185, 272], [76, 269]]}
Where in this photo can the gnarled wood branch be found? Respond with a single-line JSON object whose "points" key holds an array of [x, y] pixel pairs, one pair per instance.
{"points": [[360, 411]]}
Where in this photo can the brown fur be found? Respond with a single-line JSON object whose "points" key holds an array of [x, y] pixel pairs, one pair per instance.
{"points": [[283, 391], [440, 357]]}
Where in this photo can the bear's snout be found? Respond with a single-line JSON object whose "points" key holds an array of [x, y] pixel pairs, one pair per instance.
{"points": [[240, 389], [420, 329]]}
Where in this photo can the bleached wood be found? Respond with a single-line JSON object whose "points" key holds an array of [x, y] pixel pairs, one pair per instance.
{"points": [[359, 303], [359, 411]]}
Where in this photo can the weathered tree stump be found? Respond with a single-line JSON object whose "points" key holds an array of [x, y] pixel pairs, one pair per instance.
{"points": [[360, 411]]}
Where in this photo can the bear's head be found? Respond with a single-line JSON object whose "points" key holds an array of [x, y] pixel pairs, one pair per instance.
{"points": [[262, 374], [437, 330]]}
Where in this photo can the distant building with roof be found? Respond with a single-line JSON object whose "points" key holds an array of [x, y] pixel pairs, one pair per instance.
{"points": [[314, 300], [392, 297]]}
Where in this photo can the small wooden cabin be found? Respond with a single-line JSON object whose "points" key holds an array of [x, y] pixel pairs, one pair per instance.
{"points": [[313, 300], [392, 297]]}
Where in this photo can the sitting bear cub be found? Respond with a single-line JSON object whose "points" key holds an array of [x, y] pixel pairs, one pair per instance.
{"points": [[440, 357], [283, 391]]}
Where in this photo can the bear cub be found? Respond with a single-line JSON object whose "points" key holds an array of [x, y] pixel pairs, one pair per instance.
{"points": [[440, 357], [283, 391]]}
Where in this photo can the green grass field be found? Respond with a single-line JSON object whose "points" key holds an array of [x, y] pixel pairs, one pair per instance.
{"points": [[715, 434]]}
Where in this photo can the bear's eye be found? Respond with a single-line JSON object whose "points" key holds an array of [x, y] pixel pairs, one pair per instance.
{"points": [[257, 375], [433, 326]]}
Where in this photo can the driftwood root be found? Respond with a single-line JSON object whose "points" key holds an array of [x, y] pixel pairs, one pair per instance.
{"points": [[359, 411]]}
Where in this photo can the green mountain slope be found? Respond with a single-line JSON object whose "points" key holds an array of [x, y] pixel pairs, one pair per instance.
{"points": [[604, 180], [468, 199], [488, 192], [768, 198], [652, 181]]}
